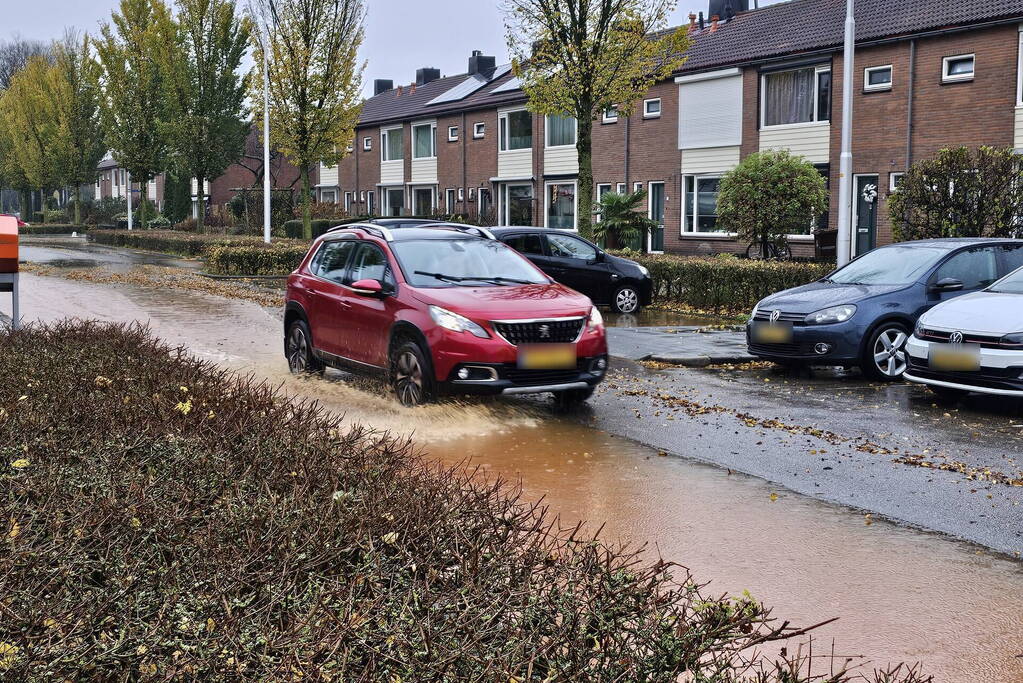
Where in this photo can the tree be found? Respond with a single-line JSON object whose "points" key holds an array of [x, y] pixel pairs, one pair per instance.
{"points": [[205, 124], [960, 193], [771, 194], [177, 196], [621, 219], [315, 80], [14, 55], [578, 58], [73, 94], [133, 97]]}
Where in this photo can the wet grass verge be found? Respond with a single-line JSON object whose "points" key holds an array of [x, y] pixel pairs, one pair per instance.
{"points": [[163, 519]]}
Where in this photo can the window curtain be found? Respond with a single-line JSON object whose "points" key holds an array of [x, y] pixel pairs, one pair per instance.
{"points": [[395, 144], [520, 130], [789, 97], [560, 130], [423, 141]]}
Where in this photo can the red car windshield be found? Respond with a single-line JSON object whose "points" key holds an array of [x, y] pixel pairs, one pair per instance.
{"points": [[468, 262]]}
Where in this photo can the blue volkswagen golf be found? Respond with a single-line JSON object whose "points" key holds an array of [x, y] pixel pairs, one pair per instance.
{"points": [[863, 313]]}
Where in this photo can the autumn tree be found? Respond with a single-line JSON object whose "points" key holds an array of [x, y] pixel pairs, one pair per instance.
{"points": [[315, 80], [961, 192], [72, 91], [578, 58], [14, 55], [132, 88], [205, 121]]}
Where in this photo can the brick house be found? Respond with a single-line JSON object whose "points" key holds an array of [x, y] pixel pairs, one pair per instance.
{"points": [[112, 183], [928, 75]]}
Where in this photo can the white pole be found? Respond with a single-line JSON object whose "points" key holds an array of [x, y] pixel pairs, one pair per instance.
{"points": [[266, 135], [844, 238], [127, 182]]}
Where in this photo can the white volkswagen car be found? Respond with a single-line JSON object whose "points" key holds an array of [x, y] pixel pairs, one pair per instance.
{"points": [[972, 343]]}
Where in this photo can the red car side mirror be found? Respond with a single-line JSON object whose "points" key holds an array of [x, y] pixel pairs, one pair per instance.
{"points": [[368, 287]]}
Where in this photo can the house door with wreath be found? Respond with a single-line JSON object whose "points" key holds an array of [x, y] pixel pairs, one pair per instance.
{"points": [[865, 213]]}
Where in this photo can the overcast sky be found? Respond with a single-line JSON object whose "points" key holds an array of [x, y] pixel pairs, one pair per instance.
{"points": [[401, 35]]}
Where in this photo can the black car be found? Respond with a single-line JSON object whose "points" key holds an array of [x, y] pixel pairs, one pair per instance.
{"points": [[864, 312], [622, 284], [403, 222]]}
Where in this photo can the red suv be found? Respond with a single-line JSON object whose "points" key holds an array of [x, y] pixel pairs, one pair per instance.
{"points": [[443, 309]]}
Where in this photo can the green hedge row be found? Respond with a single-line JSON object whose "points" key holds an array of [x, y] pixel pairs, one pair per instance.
{"points": [[169, 241], [52, 229], [723, 284], [293, 228], [279, 258]]}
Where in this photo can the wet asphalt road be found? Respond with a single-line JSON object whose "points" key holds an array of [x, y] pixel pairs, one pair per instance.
{"points": [[835, 437]]}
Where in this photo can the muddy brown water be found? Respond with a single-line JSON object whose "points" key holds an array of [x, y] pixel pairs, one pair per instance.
{"points": [[900, 594]]}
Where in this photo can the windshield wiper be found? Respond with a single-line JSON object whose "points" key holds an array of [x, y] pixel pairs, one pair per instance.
{"points": [[439, 276], [498, 279]]}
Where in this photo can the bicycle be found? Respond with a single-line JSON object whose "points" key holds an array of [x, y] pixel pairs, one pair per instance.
{"points": [[771, 250]]}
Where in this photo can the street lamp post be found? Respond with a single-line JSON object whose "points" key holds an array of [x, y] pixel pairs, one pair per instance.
{"points": [[844, 239], [266, 135], [127, 182]]}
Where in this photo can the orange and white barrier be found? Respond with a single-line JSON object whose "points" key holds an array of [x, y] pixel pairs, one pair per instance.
{"points": [[9, 263]]}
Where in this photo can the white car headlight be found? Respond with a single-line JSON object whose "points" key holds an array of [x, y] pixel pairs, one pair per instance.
{"points": [[456, 323], [596, 320], [834, 314], [756, 308]]}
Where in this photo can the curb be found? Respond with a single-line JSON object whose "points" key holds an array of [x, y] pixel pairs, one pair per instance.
{"points": [[699, 361], [211, 276]]}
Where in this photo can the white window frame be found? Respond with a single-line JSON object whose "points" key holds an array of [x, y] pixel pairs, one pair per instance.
{"points": [[597, 198], [867, 87], [433, 138], [696, 204], [817, 71], [479, 130], [620, 188], [547, 202], [946, 77], [612, 118], [367, 143], [637, 186], [504, 206], [412, 199], [452, 133], [502, 123], [371, 206], [1019, 70], [385, 204], [647, 114], [348, 201], [461, 194], [449, 200], [547, 137], [384, 132], [893, 178]]}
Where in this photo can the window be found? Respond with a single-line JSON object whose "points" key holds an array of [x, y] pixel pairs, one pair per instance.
{"points": [[1012, 257], [701, 204], [331, 260], [620, 188], [392, 144], [483, 207], [348, 201], [461, 194], [975, 267], [877, 78], [424, 141], [452, 133], [652, 108], [560, 131], [610, 115], [957, 68], [394, 201], [515, 130], [566, 246], [367, 143], [369, 263], [371, 203], [516, 204], [602, 189], [561, 205], [449, 200], [796, 96], [526, 244], [479, 129], [422, 201], [894, 180]]}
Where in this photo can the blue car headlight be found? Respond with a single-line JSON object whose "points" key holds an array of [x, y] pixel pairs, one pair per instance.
{"points": [[834, 314]]}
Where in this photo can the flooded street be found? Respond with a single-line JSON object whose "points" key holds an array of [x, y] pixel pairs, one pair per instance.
{"points": [[900, 593]]}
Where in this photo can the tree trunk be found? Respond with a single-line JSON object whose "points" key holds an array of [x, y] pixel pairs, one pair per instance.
{"points": [[584, 192], [307, 214], [200, 203], [78, 204]]}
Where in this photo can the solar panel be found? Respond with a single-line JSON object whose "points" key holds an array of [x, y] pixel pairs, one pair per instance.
{"points": [[470, 85], [508, 86]]}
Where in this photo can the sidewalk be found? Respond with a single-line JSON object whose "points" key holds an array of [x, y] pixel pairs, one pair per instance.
{"points": [[678, 345]]}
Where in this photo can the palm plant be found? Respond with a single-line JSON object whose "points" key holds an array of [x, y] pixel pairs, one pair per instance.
{"points": [[621, 220]]}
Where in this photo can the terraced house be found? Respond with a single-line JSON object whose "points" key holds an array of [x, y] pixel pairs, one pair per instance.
{"points": [[928, 74]]}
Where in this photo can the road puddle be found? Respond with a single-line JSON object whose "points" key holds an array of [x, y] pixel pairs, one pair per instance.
{"points": [[656, 317], [900, 594]]}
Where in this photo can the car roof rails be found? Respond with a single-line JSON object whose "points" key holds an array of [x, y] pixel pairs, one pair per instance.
{"points": [[375, 230], [479, 231]]}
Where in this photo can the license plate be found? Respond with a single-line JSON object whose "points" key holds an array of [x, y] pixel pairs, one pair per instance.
{"points": [[547, 356], [955, 357], [772, 333]]}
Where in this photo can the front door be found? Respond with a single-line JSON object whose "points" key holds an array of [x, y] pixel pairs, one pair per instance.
{"points": [[865, 213], [655, 200]]}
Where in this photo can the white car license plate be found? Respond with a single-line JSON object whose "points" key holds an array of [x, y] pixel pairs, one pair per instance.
{"points": [[954, 357]]}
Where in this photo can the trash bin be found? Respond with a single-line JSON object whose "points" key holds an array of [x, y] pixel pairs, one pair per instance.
{"points": [[825, 244]]}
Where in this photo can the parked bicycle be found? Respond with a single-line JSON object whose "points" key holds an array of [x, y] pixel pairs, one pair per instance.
{"points": [[771, 250]]}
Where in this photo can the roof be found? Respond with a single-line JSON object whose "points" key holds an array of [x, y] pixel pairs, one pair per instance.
{"points": [[107, 163], [776, 31], [808, 25]]}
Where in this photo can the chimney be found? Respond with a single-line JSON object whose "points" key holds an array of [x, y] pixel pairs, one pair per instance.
{"points": [[726, 9], [426, 75], [382, 85], [714, 23], [480, 64], [692, 22], [701, 21]]}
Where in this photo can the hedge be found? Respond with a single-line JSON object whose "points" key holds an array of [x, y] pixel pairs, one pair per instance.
{"points": [[293, 228], [177, 242], [52, 229], [723, 284], [165, 520], [278, 258]]}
